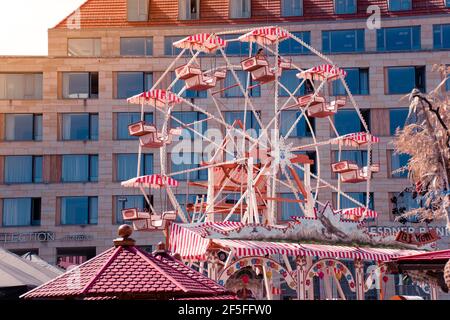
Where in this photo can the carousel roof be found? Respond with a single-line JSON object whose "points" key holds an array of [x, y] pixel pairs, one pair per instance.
{"points": [[126, 271]]}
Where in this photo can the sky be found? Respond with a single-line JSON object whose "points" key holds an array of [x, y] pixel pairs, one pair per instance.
{"points": [[24, 24]]}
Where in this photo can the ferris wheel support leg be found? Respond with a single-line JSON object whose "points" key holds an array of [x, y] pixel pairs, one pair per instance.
{"points": [[309, 198], [210, 197], [301, 274], [267, 284], [359, 279], [338, 285]]}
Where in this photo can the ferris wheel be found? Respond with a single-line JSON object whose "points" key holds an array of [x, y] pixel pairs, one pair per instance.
{"points": [[254, 166]]}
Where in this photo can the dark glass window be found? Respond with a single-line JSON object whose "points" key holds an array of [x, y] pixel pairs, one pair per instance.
{"points": [[399, 161], [290, 209], [361, 197], [357, 81], [398, 119], [19, 212], [250, 120], [193, 94], [127, 202], [345, 6], [348, 121], [289, 80], [356, 156], [79, 210], [291, 8], [23, 127], [126, 165], [236, 91], [184, 161], [398, 39], [400, 5], [287, 119], [238, 48], [79, 168], [312, 156], [80, 85], [136, 46], [124, 119], [23, 169], [187, 118], [240, 9], [402, 80], [292, 47], [189, 9], [441, 36], [343, 41], [169, 49], [80, 126], [132, 83]]}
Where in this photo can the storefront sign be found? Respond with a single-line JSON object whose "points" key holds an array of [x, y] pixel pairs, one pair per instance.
{"points": [[440, 231], [416, 238], [41, 236]]}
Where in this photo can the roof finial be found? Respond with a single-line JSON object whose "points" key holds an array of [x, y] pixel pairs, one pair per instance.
{"points": [[124, 239]]}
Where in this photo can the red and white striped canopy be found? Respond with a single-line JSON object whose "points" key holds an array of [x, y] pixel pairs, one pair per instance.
{"points": [[191, 242], [204, 42], [322, 72], [156, 97], [265, 35], [356, 139], [150, 181], [357, 213]]}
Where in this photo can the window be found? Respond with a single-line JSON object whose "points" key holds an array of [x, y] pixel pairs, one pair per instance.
{"points": [[441, 36], [398, 118], [289, 80], [238, 48], [132, 83], [23, 169], [287, 119], [402, 80], [169, 49], [291, 8], [19, 212], [136, 46], [189, 9], [402, 202], [398, 161], [184, 161], [23, 127], [400, 5], [240, 9], [126, 165], [79, 210], [124, 119], [79, 168], [193, 94], [236, 91], [357, 81], [84, 47], [137, 10], [18, 86], [447, 3], [80, 126], [128, 202], [344, 6], [313, 169], [190, 117], [67, 257], [250, 120], [289, 209], [398, 39], [348, 121], [346, 203], [356, 156], [80, 85], [292, 47], [343, 41]]}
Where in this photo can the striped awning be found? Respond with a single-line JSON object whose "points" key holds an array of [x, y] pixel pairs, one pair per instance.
{"points": [[357, 213], [265, 35], [150, 181], [190, 243], [322, 72], [204, 42], [356, 139], [156, 97]]}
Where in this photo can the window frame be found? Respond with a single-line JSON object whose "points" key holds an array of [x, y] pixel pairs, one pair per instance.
{"points": [[91, 85], [143, 169], [90, 178], [35, 117], [382, 35], [334, 85], [96, 45], [283, 8], [401, 3], [148, 51], [359, 41], [146, 75], [33, 169], [419, 72], [346, 5], [37, 79], [34, 210], [116, 119], [89, 212], [243, 3], [188, 16], [142, 14], [91, 119]]}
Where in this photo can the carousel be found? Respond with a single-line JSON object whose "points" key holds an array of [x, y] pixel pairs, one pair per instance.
{"points": [[231, 232]]}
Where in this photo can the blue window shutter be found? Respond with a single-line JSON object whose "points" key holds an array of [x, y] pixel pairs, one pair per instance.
{"points": [[437, 36], [380, 40], [360, 40], [325, 41], [416, 41]]}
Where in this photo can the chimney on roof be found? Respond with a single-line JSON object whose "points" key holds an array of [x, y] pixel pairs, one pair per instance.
{"points": [[124, 239]]}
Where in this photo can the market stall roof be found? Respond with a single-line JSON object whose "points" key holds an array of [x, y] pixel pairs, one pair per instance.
{"points": [[16, 271], [193, 242], [434, 256], [127, 272]]}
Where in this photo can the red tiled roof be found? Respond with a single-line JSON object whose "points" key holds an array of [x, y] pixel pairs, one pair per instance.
{"points": [[127, 271], [113, 13], [443, 255]]}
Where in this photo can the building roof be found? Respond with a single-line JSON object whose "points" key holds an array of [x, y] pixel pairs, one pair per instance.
{"points": [[124, 272], [435, 256], [113, 13], [16, 271]]}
